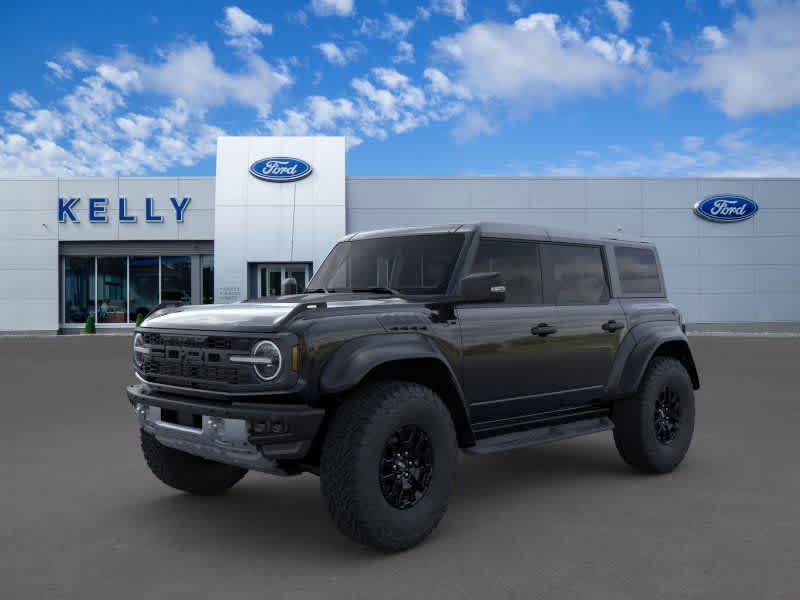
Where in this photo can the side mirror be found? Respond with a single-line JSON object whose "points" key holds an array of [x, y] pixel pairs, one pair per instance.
{"points": [[483, 287]]}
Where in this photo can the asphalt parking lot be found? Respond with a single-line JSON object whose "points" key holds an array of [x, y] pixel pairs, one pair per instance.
{"points": [[82, 517]]}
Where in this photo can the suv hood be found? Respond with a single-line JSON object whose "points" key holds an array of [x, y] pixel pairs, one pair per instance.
{"points": [[257, 316]]}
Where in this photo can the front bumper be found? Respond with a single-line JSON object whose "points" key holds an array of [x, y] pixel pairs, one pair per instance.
{"points": [[246, 434]]}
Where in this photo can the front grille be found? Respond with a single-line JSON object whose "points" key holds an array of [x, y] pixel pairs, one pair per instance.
{"points": [[195, 360], [197, 341], [155, 368]]}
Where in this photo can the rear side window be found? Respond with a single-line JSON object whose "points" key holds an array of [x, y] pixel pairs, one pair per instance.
{"points": [[518, 264], [638, 270], [576, 273]]}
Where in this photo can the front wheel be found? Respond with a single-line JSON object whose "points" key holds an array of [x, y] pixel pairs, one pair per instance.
{"points": [[653, 429], [388, 464]]}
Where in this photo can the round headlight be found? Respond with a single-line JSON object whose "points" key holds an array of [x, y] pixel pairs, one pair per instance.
{"points": [[138, 350], [267, 362]]}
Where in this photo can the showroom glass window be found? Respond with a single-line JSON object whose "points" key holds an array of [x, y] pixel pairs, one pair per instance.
{"points": [[144, 285], [112, 289], [577, 274], [79, 288], [518, 265], [176, 279]]}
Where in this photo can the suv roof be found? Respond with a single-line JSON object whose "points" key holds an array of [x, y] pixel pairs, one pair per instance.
{"points": [[498, 229]]}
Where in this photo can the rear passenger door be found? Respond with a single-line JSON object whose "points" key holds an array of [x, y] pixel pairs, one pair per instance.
{"points": [[590, 323], [507, 367]]}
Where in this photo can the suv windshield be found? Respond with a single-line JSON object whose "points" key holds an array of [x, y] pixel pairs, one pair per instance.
{"points": [[409, 264]]}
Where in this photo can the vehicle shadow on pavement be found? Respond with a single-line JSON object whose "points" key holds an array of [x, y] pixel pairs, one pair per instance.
{"points": [[264, 513]]}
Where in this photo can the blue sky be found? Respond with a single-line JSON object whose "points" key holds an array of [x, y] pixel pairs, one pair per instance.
{"points": [[439, 87]]}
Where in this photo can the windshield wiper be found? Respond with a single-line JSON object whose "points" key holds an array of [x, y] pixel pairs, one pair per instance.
{"points": [[377, 290]]}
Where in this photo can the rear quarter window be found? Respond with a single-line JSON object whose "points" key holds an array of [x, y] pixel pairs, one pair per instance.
{"points": [[576, 274], [638, 271]]}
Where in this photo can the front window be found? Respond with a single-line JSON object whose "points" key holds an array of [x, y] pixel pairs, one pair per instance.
{"points": [[410, 264]]}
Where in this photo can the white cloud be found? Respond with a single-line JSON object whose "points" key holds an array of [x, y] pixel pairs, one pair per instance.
{"points": [[339, 8], [405, 52], [191, 72], [715, 37], [621, 11], [666, 27], [89, 129], [59, 71], [472, 124], [692, 143], [127, 80], [336, 55], [514, 8], [453, 8], [243, 29], [537, 60], [385, 101], [22, 100], [441, 84], [397, 26], [391, 27], [735, 154], [758, 70]]}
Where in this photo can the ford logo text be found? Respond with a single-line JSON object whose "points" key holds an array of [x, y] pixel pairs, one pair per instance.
{"points": [[280, 169], [726, 209]]}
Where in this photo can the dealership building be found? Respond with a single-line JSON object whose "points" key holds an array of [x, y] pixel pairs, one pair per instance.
{"points": [[116, 247]]}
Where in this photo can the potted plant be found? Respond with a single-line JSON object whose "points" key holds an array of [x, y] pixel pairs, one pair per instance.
{"points": [[89, 327]]}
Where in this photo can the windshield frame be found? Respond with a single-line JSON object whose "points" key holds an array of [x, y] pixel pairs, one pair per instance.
{"points": [[452, 279]]}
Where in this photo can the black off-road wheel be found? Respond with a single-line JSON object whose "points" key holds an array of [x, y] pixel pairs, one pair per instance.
{"points": [[186, 472], [388, 464], [653, 429]]}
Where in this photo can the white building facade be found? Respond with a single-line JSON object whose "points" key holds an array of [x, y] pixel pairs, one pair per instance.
{"points": [[114, 248]]}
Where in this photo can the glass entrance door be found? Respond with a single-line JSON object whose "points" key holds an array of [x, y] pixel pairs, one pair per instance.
{"points": [[272, 275]]}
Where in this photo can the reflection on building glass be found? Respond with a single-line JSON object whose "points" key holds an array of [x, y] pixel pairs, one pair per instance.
{"points": [[78, 288], [112, 289], [207, 268], [128, 286], [176, 279], [144, 285]]}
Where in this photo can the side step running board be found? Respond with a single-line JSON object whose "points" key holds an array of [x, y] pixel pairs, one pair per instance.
{"points": [[541, 435]]}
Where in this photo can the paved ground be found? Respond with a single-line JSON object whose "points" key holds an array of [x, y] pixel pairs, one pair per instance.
{"points": [[81, 517]]}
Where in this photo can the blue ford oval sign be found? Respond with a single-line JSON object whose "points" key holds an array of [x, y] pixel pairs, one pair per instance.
{"points": [[726, 209], [280, 169]]}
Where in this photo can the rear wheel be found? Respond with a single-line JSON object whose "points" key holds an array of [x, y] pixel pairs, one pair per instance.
{"points": [[187, 472], [388, 464], [653, 429]]}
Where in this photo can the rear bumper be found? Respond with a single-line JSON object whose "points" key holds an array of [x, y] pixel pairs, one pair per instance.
{"points": [[224, 431]]}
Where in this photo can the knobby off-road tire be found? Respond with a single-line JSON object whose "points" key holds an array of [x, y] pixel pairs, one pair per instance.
{"points": [[366, 446], [187, 472], [653, 429]]}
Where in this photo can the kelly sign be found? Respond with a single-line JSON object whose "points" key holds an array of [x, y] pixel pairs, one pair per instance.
{"points": [[99, 208]]}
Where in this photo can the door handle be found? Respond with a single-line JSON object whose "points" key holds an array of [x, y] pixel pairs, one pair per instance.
{"points": [[612, 326], [543, 329]]}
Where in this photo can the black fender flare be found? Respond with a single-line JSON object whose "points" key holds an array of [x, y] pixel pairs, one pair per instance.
{"points": [[637, 349], [356, 358]]}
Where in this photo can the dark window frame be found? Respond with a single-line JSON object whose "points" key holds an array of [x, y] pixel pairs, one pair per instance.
{"points": [[538, 248], [663, 291], [549, 283]]}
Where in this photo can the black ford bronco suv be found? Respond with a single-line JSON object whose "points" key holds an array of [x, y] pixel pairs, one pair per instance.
{"points": [[407, 348]]}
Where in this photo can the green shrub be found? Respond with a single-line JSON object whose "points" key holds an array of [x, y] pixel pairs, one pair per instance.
{"points": [[139, 319], [89, 328]]}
